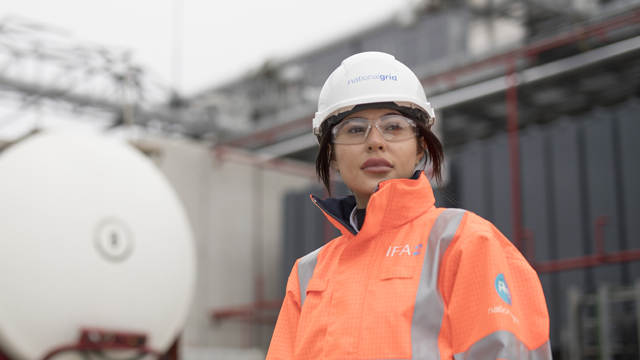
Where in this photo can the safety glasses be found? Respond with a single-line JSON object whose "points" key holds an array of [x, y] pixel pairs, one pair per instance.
{"points": [[392, 127]]}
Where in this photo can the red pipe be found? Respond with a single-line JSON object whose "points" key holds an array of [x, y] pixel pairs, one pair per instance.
{"points": [[249, 312], [173, 352], [601, 221], [97, 339], [514, 151], [600, 257], [85, 348], [271, 133], [527, 236], [253, 312], [116, 341], [225, 153], [246, 310], [528, 51], [597, 30], [581, 262]]}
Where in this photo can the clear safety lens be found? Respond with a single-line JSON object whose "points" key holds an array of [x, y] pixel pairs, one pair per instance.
{"points": [[391, 127]]}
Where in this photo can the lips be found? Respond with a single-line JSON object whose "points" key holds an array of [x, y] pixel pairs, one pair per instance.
{"points": [[376, 165]]}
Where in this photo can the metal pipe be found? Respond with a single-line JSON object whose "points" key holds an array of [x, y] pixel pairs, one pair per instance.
{"points": [[528, 237], [255, 312], [225, 153], [601, 257], [241, 311], [600, 223], [272, 133], [248, 312], [535, 48], [588, 245], [3, 356], [603, 322], [514, 151], [173, 353], [620, 198], [92, 340], [257, 246], [286, 130]]}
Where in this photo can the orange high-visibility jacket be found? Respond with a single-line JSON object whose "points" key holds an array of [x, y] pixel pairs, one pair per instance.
{"points": [[417, 282]]}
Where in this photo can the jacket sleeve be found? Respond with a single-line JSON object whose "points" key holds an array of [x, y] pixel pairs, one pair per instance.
{"points": [[495, 307], [284, 336]]}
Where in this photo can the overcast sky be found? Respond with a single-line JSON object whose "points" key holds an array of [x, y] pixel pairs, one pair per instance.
{"points": [[221, 40]]}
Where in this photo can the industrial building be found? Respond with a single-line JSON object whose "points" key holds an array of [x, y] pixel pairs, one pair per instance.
{"points": [[537, 107], [555, 84]]}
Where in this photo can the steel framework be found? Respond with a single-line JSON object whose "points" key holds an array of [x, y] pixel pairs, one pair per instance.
{"points": [[44, 67]]}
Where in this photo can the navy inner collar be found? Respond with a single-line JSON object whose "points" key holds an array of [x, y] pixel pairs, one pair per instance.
{"points": [[340, 207]]}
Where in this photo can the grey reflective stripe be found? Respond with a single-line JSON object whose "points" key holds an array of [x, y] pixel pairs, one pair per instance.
{"points": [[504, 345], [306, 266], [429, 307]]}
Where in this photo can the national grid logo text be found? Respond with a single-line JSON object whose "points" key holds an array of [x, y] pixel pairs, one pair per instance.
{"points": [[380, 77]]}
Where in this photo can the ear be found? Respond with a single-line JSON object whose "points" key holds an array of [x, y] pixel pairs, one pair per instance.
{"points": [[334, 165], [332, 159]]}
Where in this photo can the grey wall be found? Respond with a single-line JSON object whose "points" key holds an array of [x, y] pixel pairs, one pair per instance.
{"points": [[572, 172]]}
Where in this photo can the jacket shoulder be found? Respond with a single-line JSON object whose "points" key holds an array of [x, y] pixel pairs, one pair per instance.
{"points": [[474, 227], [490, 288], [330, 245]]}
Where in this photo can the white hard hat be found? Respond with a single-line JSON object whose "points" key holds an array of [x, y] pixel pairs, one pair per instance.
{"points": [[371, 78]]}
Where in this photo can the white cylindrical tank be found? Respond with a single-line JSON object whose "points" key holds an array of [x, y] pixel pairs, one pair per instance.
{"points": [[91, 236]]}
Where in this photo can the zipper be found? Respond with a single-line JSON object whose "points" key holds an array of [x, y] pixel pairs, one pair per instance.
{"points": [[347, 226]]}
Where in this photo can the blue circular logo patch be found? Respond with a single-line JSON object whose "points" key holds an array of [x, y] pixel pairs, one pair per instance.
{"points": [[503, 289]]}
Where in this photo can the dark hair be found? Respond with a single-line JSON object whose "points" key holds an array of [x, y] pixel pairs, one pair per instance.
{"points": [[433, 151]]}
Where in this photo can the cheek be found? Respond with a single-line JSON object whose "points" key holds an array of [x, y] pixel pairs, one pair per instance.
{"points": [[344, 158], [409, 155]]}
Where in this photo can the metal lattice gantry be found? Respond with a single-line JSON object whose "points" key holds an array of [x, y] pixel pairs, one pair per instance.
{"points": [[44, 67]]}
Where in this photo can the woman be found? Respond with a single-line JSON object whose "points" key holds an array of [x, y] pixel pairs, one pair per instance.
{"points": [[406, 280]]}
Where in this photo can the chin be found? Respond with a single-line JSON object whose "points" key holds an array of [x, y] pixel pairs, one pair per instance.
{"points": [[380, 176], [366, 189]]}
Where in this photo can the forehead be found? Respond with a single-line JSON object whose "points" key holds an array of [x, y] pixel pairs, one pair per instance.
{"points": [[371, 113]]}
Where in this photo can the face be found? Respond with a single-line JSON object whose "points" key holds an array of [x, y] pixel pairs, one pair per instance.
{"points": [[363, 166]]}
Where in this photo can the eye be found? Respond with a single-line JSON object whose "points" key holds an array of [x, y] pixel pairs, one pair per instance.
{"points": [[394, 123], [356, 129], [393, 126]]}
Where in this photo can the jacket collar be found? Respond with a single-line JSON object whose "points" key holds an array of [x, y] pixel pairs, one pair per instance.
{"points": [[394, 203]]}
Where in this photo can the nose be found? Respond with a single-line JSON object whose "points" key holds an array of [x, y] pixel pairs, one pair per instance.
{"points": [[375, 140]]}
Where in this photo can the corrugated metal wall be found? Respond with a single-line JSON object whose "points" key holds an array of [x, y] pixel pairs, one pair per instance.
{"points": [[572, 172], [303, 229], [304, 226]]}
